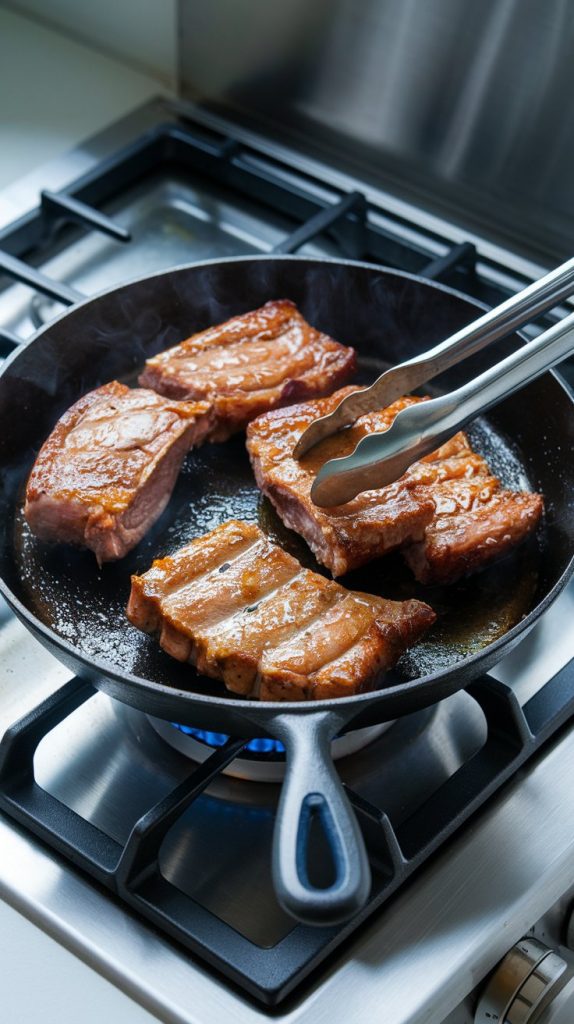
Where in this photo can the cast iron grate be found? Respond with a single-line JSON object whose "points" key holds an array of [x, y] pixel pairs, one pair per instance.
{"points": [[133, 873], [348, 219]]}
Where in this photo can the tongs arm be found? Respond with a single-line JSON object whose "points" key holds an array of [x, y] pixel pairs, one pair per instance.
{"points": [[401, 380], [381, 458]]}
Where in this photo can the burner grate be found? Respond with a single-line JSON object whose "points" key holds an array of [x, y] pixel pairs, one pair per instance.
{"points": [[358, 229], [8, 342], [132, 871]]}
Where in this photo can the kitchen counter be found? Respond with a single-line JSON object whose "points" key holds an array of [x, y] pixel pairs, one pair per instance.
{"points": [[55, 92], [46, 982]]}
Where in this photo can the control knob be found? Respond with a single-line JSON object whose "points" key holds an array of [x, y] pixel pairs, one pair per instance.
{"points": [[533, 984]]}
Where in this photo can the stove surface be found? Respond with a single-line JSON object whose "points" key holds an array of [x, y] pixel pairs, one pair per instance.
{"points": [[187, 190]]}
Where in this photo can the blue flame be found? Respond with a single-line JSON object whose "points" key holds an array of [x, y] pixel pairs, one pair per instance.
{"points": [[217, 739]]}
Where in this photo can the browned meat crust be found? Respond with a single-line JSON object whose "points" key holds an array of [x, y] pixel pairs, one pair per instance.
{"points": [[447, 512], [474, 525], [254, 362], [107, 470], [244, 611], [346, 536]]}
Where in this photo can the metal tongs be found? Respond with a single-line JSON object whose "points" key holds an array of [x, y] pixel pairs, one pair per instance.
{"points": [[383, 457]]}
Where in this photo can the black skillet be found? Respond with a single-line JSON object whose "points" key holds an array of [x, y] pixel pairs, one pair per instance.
{"points": [[77, 611]]}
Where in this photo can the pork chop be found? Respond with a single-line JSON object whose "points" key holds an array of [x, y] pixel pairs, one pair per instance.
{"points": [[107, 470], [447, 511], [345, 536], [244, 611], [261, 360], [475, 523]]}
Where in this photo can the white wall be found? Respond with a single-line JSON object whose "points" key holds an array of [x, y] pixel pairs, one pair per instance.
{"points": [[66, 92], [140, 32]]}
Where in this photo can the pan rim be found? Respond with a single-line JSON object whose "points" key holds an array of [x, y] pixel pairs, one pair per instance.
{"points": [[250, 708]]}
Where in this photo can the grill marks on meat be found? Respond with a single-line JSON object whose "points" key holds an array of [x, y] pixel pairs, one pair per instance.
{"points": [[107, 470], [254, 362], [244, 611], [448, 512]]}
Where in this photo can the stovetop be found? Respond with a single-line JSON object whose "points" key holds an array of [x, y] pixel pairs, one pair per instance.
{"points": [[166, 186], [447, 926], [183, 192]]}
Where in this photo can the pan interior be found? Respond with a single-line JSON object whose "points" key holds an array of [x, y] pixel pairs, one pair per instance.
{"points": [[84, 605]]}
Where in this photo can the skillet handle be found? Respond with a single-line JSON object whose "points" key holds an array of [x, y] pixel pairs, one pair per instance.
{"points": [[312, 788]]}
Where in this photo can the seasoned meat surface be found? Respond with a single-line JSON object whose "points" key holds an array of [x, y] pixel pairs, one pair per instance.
{"points": [[107, 470], [475, 523], [345, 536], [244, 611], [254, 362], [447, 512]]}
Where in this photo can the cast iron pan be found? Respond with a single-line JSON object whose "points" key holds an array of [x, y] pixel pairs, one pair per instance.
{"points": [[77, 611]]}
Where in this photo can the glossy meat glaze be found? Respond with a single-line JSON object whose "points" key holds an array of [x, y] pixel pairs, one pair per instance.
{"points": [[252, 363], [242, 610], [107, 470], [447, 512]]}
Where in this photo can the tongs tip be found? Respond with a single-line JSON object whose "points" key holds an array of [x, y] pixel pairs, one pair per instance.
{"points": [[304, 444], [345, 413], [316, 431]]}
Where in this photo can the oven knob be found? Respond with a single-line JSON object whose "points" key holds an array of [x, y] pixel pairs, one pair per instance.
{"points": [[523, 988]]}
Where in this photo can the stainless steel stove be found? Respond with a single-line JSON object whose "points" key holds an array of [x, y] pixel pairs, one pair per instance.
{"points": [[467, 807]]}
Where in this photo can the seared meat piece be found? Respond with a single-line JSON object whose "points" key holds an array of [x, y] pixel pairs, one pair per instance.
{"points": [[447, 511], [347, 651], [244, 611], [254, 362], [345, 536], [107, 470], [475, 523]]}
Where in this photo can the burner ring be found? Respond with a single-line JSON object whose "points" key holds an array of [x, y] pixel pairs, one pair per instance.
{"points": [[255, 765]]}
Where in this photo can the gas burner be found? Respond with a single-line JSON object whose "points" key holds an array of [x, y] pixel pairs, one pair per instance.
{"points": [[262, 760]]}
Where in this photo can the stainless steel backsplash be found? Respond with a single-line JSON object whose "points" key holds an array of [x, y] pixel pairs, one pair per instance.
{"points": [[463, 106]]}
